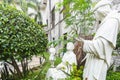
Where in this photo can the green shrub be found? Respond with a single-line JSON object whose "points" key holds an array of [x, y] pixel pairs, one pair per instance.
{"points": [[76, 74], [113, 75], [20, 36]]}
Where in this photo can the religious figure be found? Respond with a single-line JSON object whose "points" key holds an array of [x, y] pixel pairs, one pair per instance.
{"points": [[99, 50], [69, 58], [52, 56]]}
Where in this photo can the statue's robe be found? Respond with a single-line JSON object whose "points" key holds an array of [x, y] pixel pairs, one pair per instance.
{"points": [[64, 68], [99, 50]]}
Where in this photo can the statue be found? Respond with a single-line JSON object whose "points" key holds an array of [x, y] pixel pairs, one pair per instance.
{"points": [[65, 66], [52, 56], [99, 50]]}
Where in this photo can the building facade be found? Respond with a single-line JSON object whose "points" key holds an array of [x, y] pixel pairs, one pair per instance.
{"points": [[53, 18]]}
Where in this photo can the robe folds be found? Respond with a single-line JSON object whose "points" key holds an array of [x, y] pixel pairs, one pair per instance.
{"points": [[99, 50], [57, 73]]}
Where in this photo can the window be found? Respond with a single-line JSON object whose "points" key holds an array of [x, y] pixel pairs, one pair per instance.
{"points": [[53, 17]]}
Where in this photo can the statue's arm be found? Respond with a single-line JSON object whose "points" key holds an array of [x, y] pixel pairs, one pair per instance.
{"points": [[95, 47], [89, 47], [60, 66]]}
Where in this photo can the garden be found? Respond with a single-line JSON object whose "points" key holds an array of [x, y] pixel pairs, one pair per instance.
{"points": [[22, 37]]}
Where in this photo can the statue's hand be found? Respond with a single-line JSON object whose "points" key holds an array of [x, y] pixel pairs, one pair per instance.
{"points": [[58, 66], [79, 39]]}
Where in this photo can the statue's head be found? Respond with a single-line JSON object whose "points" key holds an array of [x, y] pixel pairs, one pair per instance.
{"points": [[70, 46], [52, 50], [101, 9]]}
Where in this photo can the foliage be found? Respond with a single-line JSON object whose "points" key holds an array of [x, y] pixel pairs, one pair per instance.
{"points": [[63, 41], [36, 6], [46, 66], [20, 38], [32, 76], [113, 75], [118, 41], [24, 5], [78, 16], [57, 61], [41, 73], [76, 74]]}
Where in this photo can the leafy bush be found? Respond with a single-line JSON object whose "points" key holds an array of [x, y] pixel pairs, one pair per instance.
{"points": [[113, 75], [20, 37], [76, 74], [78, 16]]}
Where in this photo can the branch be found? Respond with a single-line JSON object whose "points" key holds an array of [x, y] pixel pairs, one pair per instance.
{"points": [[59, 21], [56, 24], [9, 62]]}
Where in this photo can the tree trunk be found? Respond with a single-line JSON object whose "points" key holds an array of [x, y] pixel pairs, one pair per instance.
{"points": [[78, 50], [16, 67], [24, 64], [79, 53]]}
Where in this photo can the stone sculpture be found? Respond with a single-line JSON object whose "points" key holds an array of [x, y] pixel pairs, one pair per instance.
{"points": [[99, 50], [65, 66]]}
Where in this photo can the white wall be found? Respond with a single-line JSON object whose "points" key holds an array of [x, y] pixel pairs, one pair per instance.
{"points": [[60, 28]]}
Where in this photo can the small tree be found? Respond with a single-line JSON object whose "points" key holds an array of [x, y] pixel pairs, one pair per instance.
{"points": [[78, 17], [20, 38]]}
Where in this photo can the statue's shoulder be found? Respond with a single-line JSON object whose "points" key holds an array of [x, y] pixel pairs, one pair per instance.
{"points": [[111, 17], [114, 14]]}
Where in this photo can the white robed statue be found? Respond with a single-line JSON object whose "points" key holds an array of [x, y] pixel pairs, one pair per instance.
{"points": [[65, 66], [99, 50], [52, 56]]}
